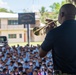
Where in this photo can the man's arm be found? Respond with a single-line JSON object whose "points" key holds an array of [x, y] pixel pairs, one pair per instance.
{"points": [[42, 53], [47, 45]]}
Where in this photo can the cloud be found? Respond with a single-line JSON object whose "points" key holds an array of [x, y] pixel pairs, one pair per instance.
{"points": [[4, 5]]}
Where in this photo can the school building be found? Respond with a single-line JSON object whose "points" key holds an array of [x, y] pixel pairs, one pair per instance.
{"points": [[17, 33]]}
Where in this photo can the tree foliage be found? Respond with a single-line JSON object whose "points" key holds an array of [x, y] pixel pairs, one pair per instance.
{"points": [[54, 9], [42, 10], [5, 10], [43, 13]]}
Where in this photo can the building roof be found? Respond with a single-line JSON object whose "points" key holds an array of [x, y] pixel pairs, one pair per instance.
{"points": [[8, 15], [12, 15]]}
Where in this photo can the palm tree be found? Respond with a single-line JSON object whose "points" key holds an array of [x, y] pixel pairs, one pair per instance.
{"points": [[43, 14], [42, 10]]}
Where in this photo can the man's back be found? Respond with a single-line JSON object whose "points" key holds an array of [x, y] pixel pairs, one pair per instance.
{"points": [[62, 41], [64, 47]]}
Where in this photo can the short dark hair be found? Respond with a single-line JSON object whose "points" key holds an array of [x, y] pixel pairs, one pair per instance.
{"points": [[4, 70], [24, 73], [69, 10], [35, 71]]}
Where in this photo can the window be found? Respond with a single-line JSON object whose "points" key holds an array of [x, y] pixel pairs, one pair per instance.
{"points": [[20, 35], [12, 22], [11, 35], [3, 38]]}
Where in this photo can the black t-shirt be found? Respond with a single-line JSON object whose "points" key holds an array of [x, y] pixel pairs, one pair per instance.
{"points": [[62, 42]]}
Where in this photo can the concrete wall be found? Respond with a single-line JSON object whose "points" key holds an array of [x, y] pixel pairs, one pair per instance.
{"points": [[3, 23], [14, 39], [39, 38]]}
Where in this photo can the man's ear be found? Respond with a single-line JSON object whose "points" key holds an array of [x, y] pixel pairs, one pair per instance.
{"points": [[62, 14]]}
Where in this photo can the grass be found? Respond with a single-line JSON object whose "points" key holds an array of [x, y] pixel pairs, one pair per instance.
{"points": [[24, 43]]}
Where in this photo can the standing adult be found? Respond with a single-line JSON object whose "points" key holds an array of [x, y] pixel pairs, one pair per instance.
{"points": [[62, 41]]}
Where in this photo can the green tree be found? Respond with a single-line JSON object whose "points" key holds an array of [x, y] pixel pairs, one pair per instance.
{"points": [[5, 10], [42, 10], [55, 8], [43, 13], [11, 11]]}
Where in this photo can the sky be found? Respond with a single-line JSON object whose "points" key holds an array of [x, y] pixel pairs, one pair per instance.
{"points": [[28, 5]]}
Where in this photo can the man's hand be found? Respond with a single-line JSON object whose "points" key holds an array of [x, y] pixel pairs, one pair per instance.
{"points": [[51, 25]]}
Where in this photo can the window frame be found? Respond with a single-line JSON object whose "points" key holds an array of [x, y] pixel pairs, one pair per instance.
{"points": [[12, 22], [12, 36]]}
